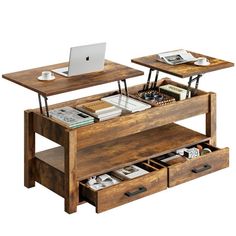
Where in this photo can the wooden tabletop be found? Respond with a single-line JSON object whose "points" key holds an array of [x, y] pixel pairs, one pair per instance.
{"points": [[183, 70], [28, 78]]}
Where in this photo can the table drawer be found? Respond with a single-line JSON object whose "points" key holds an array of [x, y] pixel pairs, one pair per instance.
{"points": [[197, 167], [127, 190]]}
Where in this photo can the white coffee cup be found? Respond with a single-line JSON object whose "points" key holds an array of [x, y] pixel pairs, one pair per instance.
{"points": [[47, 75], [202, 61]]}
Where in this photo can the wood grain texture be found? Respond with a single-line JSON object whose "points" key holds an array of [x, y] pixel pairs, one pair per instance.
{"points": [[181, 173], [28, 78], [141, 121], [70, 171], [29, 150], [46, 127], [183, 70], [124, 125], [105, 157], [95, 97], [211, 119], [49, 177], [114, 196]]}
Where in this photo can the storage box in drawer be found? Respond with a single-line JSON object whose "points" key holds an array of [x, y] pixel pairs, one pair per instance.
{"points": [[197, 167], [126, 191]]}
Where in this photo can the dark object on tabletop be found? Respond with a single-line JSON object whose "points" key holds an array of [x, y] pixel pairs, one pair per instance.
{"points": [[154, 98]]}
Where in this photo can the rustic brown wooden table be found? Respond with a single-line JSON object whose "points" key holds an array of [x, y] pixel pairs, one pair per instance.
{"points": [[28, 79], [137, 138], [183, 70]]}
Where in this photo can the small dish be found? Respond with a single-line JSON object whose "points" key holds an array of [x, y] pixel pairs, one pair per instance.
{"points": [[200, 64], [43, 79]]}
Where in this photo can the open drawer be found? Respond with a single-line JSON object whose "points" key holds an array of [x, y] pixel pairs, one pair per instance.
{"points": [[190, 169], [127, 190]]}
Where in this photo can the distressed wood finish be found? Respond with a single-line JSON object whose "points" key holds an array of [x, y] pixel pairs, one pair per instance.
{"points": [[29, 150], [211, 119], [130, 139], [181, 173], [70, 168], [49, 177], [115, 143], [132, 90], [114, 196], [105, 157], [141, 121], [126, 124], [28, 78], [46, 127], [183, 70]]}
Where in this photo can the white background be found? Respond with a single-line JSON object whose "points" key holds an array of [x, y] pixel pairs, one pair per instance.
{"points": [[37, 33]]}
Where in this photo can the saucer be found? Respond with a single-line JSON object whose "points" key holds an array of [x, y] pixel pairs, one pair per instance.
{"points": [[42, 79], [200, 64]]}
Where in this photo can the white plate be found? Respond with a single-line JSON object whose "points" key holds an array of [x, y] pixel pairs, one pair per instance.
{"points": [[42, 79], [199, 64]]}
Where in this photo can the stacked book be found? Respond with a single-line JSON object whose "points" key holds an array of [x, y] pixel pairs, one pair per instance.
{"points": [[100, 109], [71, 117], [174, 91]]}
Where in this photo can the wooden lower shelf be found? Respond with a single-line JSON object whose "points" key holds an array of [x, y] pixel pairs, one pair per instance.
{"points": [[117, 153]]}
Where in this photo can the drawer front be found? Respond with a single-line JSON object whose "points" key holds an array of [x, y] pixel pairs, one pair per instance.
{"points": [[126, 191], [198, 167]]}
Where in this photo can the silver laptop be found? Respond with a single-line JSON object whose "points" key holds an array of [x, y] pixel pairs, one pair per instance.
{"points": [[84, 59]]}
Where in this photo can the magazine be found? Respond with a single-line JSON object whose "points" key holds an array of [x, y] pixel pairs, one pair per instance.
{"points": [[129, 172], [71, 117], [176, 57]]}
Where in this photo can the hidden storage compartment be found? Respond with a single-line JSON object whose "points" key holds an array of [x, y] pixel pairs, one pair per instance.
{"points": [[162, 98], [126, 190], [182, 169]]}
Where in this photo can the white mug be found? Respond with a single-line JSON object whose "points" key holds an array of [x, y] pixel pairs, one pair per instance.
{"points": [[47, 75], [202, 61]]}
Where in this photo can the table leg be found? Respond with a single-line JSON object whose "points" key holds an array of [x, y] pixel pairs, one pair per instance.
{"points": [[211, 119], [71, 186], [29, 150]]}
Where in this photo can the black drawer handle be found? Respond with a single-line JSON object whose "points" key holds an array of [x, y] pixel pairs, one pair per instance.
{"points": [[201, 169], [140, 190]]}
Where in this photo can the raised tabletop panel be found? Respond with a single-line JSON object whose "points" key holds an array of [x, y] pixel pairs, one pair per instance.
{"points": [[112, 72], [183, 70], [128, 150]]}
